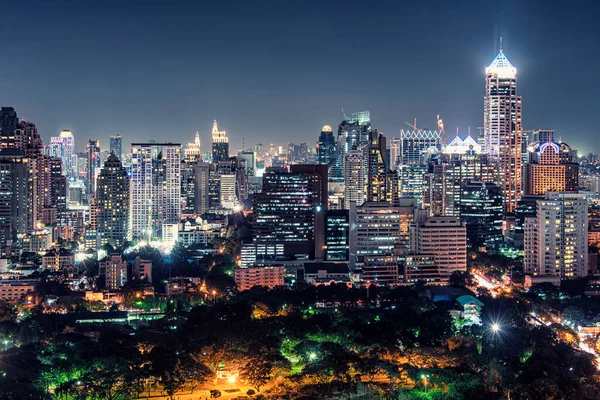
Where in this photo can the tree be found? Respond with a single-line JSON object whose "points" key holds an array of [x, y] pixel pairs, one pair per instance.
{"points": [[461, 279], [257, 373]]}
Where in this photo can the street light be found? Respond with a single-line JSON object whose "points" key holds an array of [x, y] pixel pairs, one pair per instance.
{"points": [[5, 344], [495, 327], [312, 356]]}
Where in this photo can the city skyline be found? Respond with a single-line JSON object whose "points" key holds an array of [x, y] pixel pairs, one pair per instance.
{"points": [[401, 76]]}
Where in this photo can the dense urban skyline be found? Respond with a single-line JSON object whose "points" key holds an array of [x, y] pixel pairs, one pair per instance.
{"points": [[277, 73]]}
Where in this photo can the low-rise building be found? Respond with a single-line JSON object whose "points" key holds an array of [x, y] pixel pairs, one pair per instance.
{"points": [[12, 290], [247, 278], [60, 259]]}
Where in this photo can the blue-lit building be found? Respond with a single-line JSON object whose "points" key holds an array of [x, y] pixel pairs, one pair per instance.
{"points": [[337, 231], [481, 210]]}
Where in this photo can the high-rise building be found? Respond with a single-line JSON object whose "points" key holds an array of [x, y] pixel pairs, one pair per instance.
{"points": [[112, 203], [220, 144], [227, 191], [556, 239], [337, 239], [416, 147], [503, 131], [448, 173], [377, 168], [551, 168], [188, 187], [115, 271], [193, 151], [14, 195], [116, 146], [412, 183], [374, 230], [481, 211], [290, 211], [353, 134], [395, 153], [326, 149], [202, 175], [444, 238], [354, 178], [155, 188], [93, 162], [68, 144]]}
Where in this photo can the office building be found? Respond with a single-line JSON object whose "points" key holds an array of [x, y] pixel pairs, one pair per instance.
{"points": [[417, 146], [192, 151], [337, 235], [481, 211], [353, 134], [116, 146], [112, 203], [9, 122], [14, 195], [93, 162], [290, 211], [326, 149], [444, 238], [380, 270], [503, 119], [556, 239], [201, 192], [395, 150], [551, 168], [155, 188], [227, 191], [220, 144], [354, 178], [374, 230], [377, 168]]}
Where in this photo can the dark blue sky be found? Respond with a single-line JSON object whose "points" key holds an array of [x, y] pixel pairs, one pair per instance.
{"points": [[277, 71]]}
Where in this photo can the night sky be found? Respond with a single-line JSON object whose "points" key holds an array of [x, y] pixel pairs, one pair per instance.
{"points": [[277, 71]]}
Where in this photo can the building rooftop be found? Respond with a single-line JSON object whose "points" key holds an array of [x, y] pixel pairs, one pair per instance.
{"points": [[501, 67]]}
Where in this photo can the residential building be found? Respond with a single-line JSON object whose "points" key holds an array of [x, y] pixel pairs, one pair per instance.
{"points": [[556, 239], [220, 144], [112, 203], [116, 146]]}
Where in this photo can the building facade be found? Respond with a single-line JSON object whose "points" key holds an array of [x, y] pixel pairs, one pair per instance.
{"points": [[112, 203]]}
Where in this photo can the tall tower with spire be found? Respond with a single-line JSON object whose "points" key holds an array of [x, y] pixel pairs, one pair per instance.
{"points": [[503, 127], [220, 144], [192, 151]]}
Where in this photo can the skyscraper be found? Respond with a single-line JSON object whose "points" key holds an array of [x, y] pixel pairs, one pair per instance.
{"points": [[192, 151], [377, 168], [201, 174], [112, 202], [550, 168], [326, 150], [395, 153], [354, 178], [481, 211], [290, 212], [116, 146], [556, 239], [353, 134], [93, 161], [502, 127], [155, 188], [8, 124], [220, 144], [417, 146], [14, 195]]}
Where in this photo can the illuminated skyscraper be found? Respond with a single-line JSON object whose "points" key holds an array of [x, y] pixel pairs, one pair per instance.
{"points": [[192, 151], [112, 202], [155, 188], [503, 132], [220, 144], [353, 134], [116, 146], [550, 168], [377, 168], [417, 146], [354, 178]]}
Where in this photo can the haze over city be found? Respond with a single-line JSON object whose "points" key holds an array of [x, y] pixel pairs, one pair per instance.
{"points": [[278, 71]]}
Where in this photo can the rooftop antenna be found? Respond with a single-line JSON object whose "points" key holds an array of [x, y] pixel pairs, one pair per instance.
{"points": [[457, 131], [345, 116], [500, 44], [469, 131]]}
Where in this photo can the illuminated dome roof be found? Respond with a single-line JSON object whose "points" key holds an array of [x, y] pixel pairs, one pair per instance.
{"points": [[326, 128], [540, 147]]}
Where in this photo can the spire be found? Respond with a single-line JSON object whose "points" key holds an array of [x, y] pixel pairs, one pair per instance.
{"points": [[501, 66], [500, 44], [215, 128], [197, 140]]}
